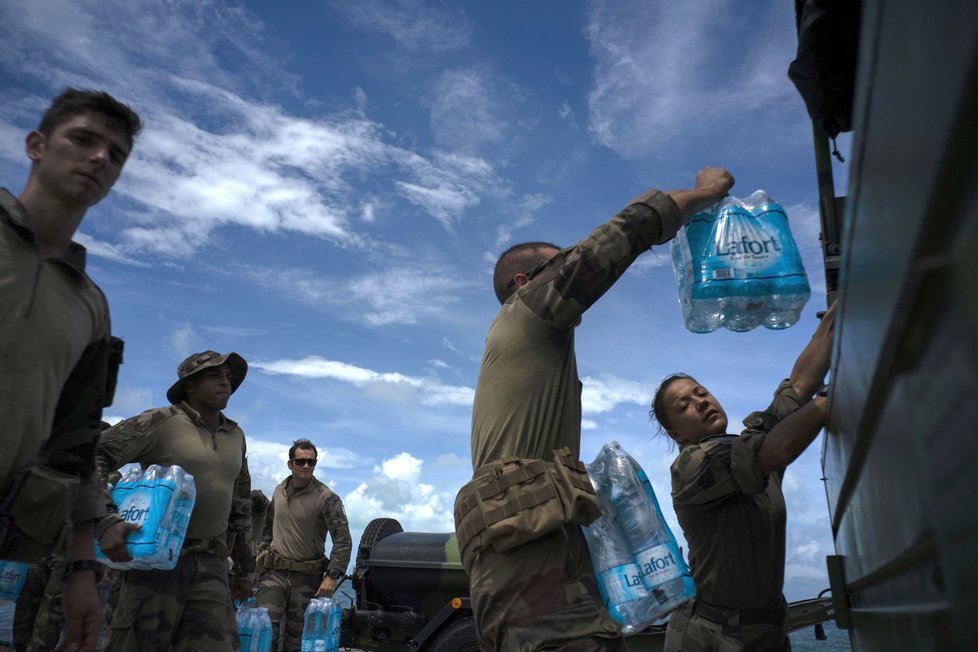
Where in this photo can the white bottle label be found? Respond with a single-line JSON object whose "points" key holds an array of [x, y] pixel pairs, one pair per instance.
{"points": [[658, 565]]}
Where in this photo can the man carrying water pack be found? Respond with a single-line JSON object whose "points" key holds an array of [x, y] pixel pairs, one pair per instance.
{"points": [[58, 357], [292, 559], [530, 574], [189, 607]]}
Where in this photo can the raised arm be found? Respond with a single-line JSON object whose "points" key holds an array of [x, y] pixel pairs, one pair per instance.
{"points": [[711, 185], [792, 435]]}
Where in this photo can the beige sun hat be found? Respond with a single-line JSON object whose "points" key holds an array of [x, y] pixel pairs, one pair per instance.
{"points": [[206, 360]]}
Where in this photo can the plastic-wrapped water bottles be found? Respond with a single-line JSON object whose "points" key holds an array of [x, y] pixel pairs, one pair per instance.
{"points": [[737, 266], [640, 571], [160, 500], [254, 629], [321, 627], [13, 574]]}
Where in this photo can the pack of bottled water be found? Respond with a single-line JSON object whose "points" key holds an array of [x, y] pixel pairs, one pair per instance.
{"points": [[254, 628], [737, 266], [321, 627], [161, 500], [641, 574]]}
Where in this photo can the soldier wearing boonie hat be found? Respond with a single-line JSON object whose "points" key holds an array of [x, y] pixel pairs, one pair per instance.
{"points": [[190, 606]]}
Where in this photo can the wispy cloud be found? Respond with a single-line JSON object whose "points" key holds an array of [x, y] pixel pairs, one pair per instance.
{"points": [[212, 157], [404, 294], [414, 24], [606, 392], [649, 86], [464, 109], [393, 386]]}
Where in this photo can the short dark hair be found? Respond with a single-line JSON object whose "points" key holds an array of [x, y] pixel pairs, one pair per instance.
{"points": [[518, 259], [72, 101], [305, 445], [658, 410]]}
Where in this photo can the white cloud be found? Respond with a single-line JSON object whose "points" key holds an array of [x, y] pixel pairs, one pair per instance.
{"points": [[382, 297], [395, 492], [402, 467], [606, 392], [183, 340], [390, 386], [209, 158], [414, 25], [649, 87], [106, 250], [131, 400], [464, 111]]}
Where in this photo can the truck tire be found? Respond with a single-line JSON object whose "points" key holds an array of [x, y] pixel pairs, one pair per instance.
{"points": [[376, 531], [458, 637]]}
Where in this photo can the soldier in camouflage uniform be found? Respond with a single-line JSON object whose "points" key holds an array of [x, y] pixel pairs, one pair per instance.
{"points": [[55, 337], [189, 607], [292, 556], [542, 594], [726, 490]]}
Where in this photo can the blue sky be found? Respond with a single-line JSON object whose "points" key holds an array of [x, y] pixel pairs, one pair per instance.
{"points": [[324, 187]]}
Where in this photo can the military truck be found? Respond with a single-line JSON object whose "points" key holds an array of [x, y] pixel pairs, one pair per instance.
{"points": [[411, 593]]}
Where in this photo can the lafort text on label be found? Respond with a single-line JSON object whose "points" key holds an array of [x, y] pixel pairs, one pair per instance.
{"points": [[656, 564], [747, 246], [133, 514]]}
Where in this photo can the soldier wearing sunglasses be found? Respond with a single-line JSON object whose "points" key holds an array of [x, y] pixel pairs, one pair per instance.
{"points": [[293, 562]]}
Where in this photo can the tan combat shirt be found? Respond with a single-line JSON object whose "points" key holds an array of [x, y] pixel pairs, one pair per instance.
{"points": [[734, 517], [53, 318], [176, 434], [297, 522], [528, 396]]}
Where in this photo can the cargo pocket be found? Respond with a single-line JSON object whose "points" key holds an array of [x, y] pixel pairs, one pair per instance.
{"points": [[574, 488]]}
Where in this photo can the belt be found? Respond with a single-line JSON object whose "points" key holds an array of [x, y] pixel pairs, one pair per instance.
{"points": [[208, 546], [311, 567], [731, 618]]}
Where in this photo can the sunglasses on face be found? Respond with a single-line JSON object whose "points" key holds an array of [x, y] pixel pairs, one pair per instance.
{"points": [[304, 462]]}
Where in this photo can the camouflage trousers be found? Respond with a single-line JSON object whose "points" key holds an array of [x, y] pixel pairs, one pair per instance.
{"points": [[286, 595], [541, 595], [187, 609], [39, 616], [693, 633]]}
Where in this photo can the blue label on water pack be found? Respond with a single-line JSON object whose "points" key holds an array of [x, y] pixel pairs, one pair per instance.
{"points": [[13, 574]]}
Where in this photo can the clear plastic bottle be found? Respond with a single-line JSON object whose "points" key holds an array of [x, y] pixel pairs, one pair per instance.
{"points": [[248, 634], [619, 578], [159, 500], [739, 259], [654, 550], [321, 626], [264, 622]]}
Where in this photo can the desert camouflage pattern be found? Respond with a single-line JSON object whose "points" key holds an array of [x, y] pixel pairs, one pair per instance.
{"points": [[541, 596], [187, 609], [693, 633], [286, 595]]}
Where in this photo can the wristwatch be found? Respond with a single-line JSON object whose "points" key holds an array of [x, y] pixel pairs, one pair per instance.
{"points": [[83, 565], [332, 573]]}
